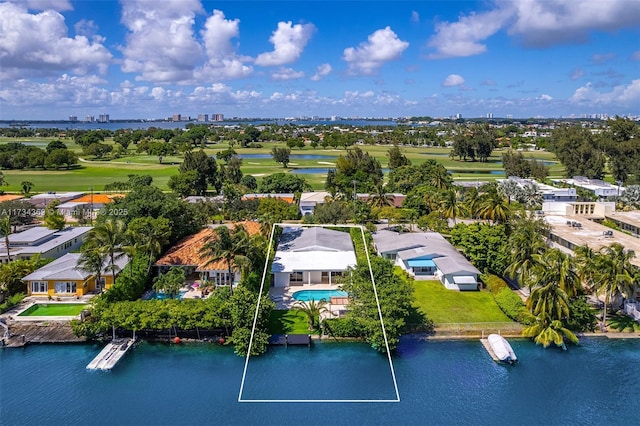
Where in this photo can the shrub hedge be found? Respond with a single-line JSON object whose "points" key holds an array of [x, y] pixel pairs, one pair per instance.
{"points": [[510, 303]]}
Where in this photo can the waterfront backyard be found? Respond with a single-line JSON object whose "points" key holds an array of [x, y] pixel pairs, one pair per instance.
{"points": [[461, 312]]}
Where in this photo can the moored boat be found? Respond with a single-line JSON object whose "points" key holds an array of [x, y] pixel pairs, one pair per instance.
{"points": [[502, 349]]}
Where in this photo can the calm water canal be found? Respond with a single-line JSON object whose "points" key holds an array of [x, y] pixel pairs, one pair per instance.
{"points": [[439, 383]]}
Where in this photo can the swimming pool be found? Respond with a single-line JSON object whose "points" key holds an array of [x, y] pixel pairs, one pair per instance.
{"points": [[163, 296], [326, 295]]}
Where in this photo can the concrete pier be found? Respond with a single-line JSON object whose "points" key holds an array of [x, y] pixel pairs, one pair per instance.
{"points": [[111, 354], [487, 346]]}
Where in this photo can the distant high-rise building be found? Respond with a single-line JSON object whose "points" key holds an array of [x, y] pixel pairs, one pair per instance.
{"points": [[103, 118], [73, 118], [217, 117], [176, 117], [89, 119], [458, 116], [203, 118], [489, 115]]}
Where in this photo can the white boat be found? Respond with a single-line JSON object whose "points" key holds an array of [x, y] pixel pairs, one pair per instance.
{"points": [[502, 348]]}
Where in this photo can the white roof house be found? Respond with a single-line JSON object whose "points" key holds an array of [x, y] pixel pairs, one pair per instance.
{"points": [[428, 255], [311, 256], [309, 201], [66, 268], [49, 243], [42, 200]]}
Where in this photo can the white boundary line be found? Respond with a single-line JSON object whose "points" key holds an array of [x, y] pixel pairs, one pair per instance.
{"points": [[255, 320]]}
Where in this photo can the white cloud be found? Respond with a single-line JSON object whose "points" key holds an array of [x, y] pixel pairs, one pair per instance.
{"points": [[33, 45], [536, 23], [576, 73], [415, 16], [543, 23], [322, 71], [59, 5], [453, 80], [601, 58], [545, 97], [160, 44], [625, 95], [287, 74], [223, 61], [381, 46], [462, 38], [288, 43]]}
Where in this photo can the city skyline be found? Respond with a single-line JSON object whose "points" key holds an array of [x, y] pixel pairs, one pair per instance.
{"points": [[142, 59]]}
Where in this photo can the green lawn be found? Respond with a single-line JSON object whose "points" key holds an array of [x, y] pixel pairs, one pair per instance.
{"points": [[54, 310], [98, 173], [288, 322], [447, 306]]}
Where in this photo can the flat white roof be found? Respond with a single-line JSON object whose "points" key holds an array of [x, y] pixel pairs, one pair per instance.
{"points": [[313, 261]]}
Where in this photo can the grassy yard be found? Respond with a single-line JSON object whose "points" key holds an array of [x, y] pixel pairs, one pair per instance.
{"points": [[447, 306], [54, 310], [288, 322]]}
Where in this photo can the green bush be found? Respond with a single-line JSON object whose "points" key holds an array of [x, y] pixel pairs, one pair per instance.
{"points": [[494, 283], [11, 302], [510, 303], [342, 327]]}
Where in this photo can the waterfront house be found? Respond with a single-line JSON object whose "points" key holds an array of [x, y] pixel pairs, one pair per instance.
{"points": [[48, 243], [427, 255], [315, 255], [63, 277], [187, 254]]}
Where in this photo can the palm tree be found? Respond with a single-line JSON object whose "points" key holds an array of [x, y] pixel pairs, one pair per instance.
{"points": [[230, 246], [108, 238], [378, 198], [472, 202], [5, 230], [494, 208], [92, 260], [524, 242], [586, 259], [546, 330], [440, 179], [312, 310], [615, 275], [451, 205]]}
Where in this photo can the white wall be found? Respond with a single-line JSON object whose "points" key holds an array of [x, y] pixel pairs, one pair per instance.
{"points": [[281, 279]]}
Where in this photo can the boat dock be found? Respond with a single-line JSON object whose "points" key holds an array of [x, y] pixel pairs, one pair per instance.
{"points": [[111, 354], [290, 339], [487, 346]]}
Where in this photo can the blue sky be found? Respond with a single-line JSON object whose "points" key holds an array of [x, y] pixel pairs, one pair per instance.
{"points": [[152, 59]]}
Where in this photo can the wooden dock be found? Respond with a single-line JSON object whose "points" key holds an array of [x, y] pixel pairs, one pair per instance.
{"points": [[290, 339], [111, 354], [487, 346]]}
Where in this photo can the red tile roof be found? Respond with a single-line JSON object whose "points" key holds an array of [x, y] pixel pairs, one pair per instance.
{"points": [[187, 251]]}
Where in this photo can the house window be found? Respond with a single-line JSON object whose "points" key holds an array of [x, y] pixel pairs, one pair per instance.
{"points": [[296, 277], [423, 270], [391, 256], [65, 287], [39, 287]]}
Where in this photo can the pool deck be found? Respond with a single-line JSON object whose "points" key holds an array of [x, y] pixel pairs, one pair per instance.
{"points": [[283, 298]]}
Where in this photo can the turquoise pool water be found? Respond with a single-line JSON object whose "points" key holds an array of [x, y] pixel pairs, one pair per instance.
{"points": [[163, 296], [307, 295]]}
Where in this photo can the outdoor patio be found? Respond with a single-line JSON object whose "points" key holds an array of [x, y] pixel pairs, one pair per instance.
{"points": [[283, 298]]}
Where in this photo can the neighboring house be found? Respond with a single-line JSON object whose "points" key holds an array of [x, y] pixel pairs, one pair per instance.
{"points": [[289, 198], [428, 255], [89, 203], [49, 243], [43, 200], [186, 254], [597, 187], [311, 256], [63, 277], [309, 201]]}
